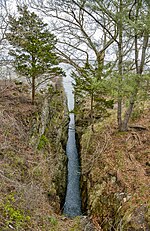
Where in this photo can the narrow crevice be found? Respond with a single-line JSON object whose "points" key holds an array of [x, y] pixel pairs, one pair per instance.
{"points": [[72, 206]]}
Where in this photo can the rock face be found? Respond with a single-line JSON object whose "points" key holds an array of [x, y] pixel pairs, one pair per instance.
{"points": [[49, 134], [115, 184], [32, 158]]}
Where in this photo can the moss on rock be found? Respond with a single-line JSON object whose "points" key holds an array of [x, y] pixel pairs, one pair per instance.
{"points": [[32, 158]]}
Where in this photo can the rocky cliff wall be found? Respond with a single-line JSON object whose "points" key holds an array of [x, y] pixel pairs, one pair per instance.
{"points": [[32, 157]]}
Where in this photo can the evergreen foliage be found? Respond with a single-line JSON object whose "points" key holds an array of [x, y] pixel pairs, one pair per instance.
{"points": [[92, 92], [33, 47], [96, 29]]}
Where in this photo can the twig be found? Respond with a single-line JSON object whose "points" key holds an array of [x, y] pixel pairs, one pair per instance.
{"points": [[138, 127], [135, 140], [96, 155], [6, 178]]}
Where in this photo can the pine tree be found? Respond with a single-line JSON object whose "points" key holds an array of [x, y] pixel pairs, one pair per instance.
{"points": [[33, 47], [92, 92]]}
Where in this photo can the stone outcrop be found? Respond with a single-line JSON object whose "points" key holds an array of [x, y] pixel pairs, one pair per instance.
{"points": [[49, 134], [32, 157]]}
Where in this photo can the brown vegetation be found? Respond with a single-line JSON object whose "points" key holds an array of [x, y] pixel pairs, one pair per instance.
{"points": [[29, 197], [116, 174]]}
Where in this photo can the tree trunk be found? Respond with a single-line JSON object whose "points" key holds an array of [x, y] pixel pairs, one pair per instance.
{"points": [[139, 71], [119, 114], [128, 113], [92, 113], [120, 49], [33, 89], [33, 79], [100, 62]]}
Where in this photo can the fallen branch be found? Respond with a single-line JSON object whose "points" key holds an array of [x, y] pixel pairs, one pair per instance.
{"points": [[138, 127], [135, 139]]}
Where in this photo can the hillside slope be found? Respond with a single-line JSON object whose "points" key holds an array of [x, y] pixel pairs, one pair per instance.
{"points": [[32, 160], [116, 175], [115, 180]]}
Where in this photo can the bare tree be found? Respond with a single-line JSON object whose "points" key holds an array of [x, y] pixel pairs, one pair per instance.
{"points": [[5, 65], [88, 31], [82, 32], [4, 12]]}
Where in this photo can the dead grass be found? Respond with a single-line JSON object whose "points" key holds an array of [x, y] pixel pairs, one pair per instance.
{"points": [[26, 174], [116, 165]]}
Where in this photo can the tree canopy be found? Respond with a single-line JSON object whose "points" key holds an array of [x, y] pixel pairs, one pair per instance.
{"points": [[33, 47], [104, 35]]}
